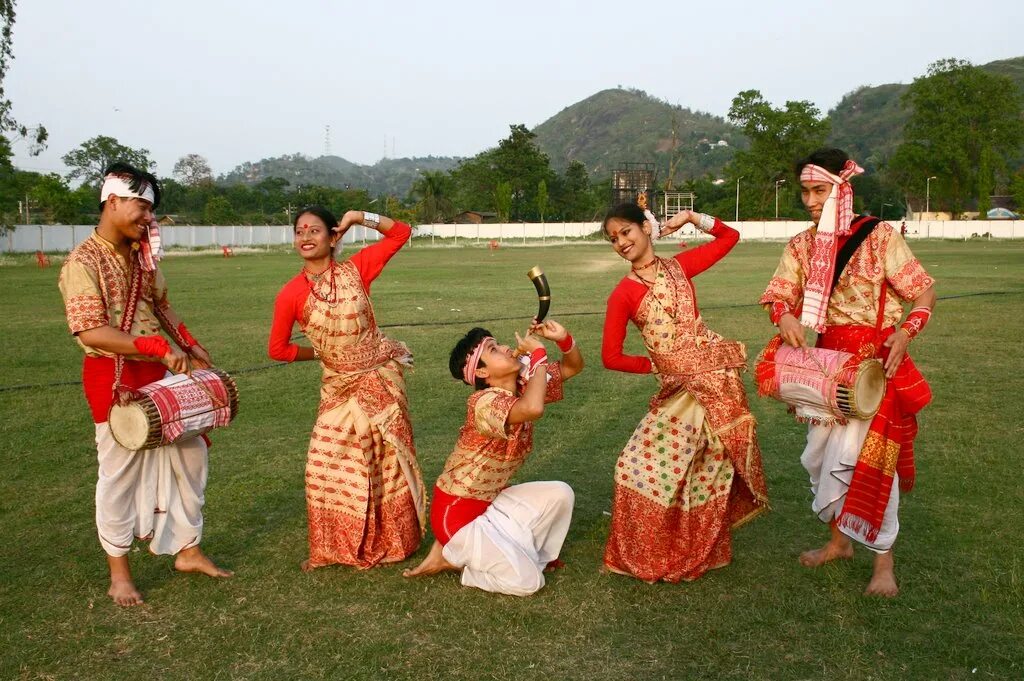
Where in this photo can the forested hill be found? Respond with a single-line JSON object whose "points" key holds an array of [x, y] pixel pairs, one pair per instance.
{"points": [[388, 176], [868, 122], [627, 125], [619, 125]]}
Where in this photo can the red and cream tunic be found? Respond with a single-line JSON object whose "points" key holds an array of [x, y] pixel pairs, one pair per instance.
{"points": [[487, 454], [364, 491], [94, 282]]}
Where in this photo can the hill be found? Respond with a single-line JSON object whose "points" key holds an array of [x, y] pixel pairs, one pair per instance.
{"points": [[627, 125], [387, 176]]}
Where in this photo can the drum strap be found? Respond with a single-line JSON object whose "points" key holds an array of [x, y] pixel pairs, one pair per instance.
{"points": [[122, 394], [862, 228]]}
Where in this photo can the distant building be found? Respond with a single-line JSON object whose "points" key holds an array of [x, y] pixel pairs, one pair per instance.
{"points": [[475, 217]]}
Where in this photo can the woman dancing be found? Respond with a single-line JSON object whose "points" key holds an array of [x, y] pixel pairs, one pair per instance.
{"points": [[692, 469], [364, 489]]}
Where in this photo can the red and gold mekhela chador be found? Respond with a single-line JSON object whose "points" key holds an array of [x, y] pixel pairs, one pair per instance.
{"points": [[883, 262], [364, 489], [692, 469]]}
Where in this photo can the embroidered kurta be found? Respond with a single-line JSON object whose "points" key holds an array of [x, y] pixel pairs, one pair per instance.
{"points": [[692, 468], [364, 490]]}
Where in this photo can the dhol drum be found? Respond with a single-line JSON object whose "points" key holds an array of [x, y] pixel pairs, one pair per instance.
{"points": [[174, 409], [820, 385]]}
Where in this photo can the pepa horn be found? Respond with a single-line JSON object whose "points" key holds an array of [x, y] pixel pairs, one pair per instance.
{"points": [[540, 282]]}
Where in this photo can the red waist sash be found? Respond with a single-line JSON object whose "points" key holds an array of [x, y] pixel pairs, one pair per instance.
{"points": [[98, 381], [449, 513]]}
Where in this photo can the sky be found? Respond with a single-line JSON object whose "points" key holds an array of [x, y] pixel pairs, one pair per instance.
{"points": [[241, 81]]}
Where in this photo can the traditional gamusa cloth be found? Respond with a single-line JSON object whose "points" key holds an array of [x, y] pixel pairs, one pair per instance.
{"points": [[853, 466], [501, 537], [364, 491], [692, 468], [157, 493]]}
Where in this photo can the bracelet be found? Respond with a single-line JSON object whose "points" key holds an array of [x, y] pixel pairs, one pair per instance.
{"points": [[915, 321], [316, 353], [706, 223], [371, 219], [566, 344], [152, 346]]}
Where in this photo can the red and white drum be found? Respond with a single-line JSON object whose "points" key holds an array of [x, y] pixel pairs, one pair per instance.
{"points": [[174, 409], [821, 385]]}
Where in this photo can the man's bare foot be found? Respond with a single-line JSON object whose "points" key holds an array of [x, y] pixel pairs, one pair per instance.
{"points": [[122, 586], [883, 579], [124, 593], [194, 560], [432, 564], [826, 554], [554, 565], [838, 547]]}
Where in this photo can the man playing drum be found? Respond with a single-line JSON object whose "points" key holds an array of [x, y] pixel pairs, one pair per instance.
{"points": [[155, 494], [847, 278]]}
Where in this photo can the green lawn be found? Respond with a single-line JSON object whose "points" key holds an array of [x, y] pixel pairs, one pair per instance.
{"points": [[959, 559]]}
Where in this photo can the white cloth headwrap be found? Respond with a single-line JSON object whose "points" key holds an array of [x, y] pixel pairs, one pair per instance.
{"points": [[119, 186]]}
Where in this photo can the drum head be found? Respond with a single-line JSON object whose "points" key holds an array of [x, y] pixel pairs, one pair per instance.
{"points": [[869, 389], [129, 425]]}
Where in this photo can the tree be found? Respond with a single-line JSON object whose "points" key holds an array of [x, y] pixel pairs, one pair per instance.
{"points": [[573, 197], [37, 135], [965, 126], [193, 170], [503, 200], [218, 211], [778, 138], [542, 198], [433, 195], [89, 160]]}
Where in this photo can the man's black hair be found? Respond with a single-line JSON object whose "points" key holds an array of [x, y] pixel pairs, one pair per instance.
{"points": [[460, 353], [829, 158]]}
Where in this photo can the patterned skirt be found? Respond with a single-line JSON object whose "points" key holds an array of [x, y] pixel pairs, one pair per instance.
{"points": [[676, 494]]}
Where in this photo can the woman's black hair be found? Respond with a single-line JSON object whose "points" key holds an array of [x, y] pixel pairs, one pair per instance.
{"points": [[137, 180], [829, 158], [325, 215], [630, 212], [461, 351]]}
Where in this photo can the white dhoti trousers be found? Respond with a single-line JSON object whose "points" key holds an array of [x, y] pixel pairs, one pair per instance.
{"points": [[506, 549], [151, 493], [829, 458]]}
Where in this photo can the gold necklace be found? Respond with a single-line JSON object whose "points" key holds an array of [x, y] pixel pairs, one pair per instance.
{"points": [[644, 267]]}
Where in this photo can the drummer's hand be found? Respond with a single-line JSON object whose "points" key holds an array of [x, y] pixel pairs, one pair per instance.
{"points": [[176, 360], [791, 331], [897, 344], [200, 357], [549, 329], [526, 345]]}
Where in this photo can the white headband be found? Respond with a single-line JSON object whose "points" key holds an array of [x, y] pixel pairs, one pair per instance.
{"points": [[118, 186]]}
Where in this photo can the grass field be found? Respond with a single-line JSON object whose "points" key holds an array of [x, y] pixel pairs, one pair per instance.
{"points": [[959, 559]]}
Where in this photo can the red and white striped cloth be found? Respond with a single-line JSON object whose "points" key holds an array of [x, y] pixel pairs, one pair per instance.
{"points": [[150, 248], [186, 406], [836, 217]]}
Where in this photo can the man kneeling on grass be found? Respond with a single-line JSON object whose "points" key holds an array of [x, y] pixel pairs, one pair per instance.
{"points": [[502, 538]]}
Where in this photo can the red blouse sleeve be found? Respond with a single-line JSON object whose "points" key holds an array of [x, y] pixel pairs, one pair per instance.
{"points": [[696, 260], [370, 261], [621, 303], [287, 308]]}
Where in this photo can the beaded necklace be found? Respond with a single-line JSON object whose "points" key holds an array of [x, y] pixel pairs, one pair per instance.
{"points": [[313, 280]]}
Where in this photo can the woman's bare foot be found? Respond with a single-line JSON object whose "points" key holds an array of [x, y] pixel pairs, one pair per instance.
{"points": [[307, 565], [194, 560], [883, 579], [432, 564], [122, 587]]}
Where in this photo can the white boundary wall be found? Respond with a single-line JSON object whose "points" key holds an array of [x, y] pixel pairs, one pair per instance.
{"points": [[50, 238]]}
